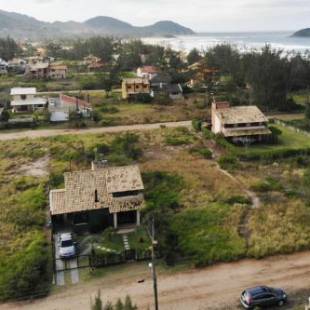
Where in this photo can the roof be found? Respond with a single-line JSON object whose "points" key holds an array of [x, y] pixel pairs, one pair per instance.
{"points": [[58, 67], [23, 91], [241, 115], [161, 77], [32, 101], [136, 80], [123, 179], [149, 69], [38, 66], [93, 190]]}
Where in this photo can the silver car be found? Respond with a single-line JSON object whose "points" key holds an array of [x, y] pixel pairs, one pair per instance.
{"points": [[67, 247]]}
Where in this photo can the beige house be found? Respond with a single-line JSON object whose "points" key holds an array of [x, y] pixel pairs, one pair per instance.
{"points": [[134, 86], [57, 71], [46, 70], [104, 195], [239, 123]]}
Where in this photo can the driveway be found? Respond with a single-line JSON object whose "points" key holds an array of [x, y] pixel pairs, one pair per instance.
{"points": [[62, 266], [43, 133], [215, 287]]}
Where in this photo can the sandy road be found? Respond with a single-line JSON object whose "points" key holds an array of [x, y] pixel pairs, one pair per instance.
{"points": [[216, 287], [42, 133]]}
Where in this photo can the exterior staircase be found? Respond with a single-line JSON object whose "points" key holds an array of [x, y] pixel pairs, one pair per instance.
{"points": [[126, 242]]}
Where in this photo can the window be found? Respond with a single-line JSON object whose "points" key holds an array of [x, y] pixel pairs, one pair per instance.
{"points": [[96, 196], [125, 194], [23, 97]]}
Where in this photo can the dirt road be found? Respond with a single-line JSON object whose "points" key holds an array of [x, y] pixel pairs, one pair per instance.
{"points": [[216, 287], [41, 133]]}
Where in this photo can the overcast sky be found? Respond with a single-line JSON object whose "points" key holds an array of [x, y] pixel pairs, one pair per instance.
{"points": [[201, 15]]}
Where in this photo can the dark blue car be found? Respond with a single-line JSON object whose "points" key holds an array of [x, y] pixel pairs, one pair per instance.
{"points": [[263, 296]]}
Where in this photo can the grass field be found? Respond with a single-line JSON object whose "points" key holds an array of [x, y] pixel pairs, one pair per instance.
{"points": [[210, 205]]}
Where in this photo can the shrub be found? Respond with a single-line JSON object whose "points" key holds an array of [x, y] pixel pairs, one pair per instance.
{"points": [[144, 98], [179, 136], [238, 200], [202, 151], [162, 194], [205, 235], [27, 271], [281, 228], [197, 124], [228, 162], [269, 184], [109, 109]]}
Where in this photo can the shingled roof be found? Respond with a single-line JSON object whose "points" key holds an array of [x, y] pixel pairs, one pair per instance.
{"points": [[241, 115], [94, 189]]}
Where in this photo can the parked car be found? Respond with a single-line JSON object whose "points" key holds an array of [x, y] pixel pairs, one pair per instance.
{"points": [[67, 247], [263, 296]]}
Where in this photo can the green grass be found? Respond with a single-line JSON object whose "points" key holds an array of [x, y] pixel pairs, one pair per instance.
{"points": [[139, 240], [209, 234], [109, 243]]}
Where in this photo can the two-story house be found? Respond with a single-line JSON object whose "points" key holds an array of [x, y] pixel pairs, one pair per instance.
{"points": [[25, 100], [98, 198], [240, 123], [134, 86]]}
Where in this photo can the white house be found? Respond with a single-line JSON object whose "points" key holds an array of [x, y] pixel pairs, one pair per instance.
{"points": [[3, 66], [25, 100], [240, 123], [147, 72]]}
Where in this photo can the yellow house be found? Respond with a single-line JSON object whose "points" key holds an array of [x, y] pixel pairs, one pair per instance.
{"points": [[134, 86]]}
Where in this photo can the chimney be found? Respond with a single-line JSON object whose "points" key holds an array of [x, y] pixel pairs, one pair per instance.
{"points": [[98, 164]]}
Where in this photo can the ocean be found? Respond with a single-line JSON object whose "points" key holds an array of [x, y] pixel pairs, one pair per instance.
{"points": [[244, 41]]}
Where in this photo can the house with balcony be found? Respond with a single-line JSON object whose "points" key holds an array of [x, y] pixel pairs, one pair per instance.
{"points": [[239, 123], [134, 86], [99, 198], [57, 71], [26, 100]]}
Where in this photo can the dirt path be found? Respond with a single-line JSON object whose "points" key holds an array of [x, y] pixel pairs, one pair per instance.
{"points": [[41, 133], [216, 287]]}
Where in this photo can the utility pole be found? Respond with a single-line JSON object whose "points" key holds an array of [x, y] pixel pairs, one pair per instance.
{"points": [[152, 264]]}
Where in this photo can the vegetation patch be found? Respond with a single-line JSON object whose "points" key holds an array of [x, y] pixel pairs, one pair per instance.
{"points": [[180, 136], [209, 234], [279, 228]]}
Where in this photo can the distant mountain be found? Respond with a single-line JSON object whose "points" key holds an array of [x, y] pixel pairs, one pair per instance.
{"points": [[304, 33], [20, 26]]}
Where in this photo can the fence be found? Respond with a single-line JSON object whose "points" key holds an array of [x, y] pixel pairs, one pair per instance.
{"points": [[98, 261]]}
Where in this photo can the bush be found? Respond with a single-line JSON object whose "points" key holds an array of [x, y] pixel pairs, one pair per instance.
{"points": [[202, 151], [228, 162], [267, 185], [205, 235], [179, 136], [197, 124], [108, 109], [27, 271], [144, 98], [162, 195], [238, 200]]}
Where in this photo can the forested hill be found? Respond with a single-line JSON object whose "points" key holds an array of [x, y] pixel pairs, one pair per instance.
{"points": [[20, 26], [305, 33]]}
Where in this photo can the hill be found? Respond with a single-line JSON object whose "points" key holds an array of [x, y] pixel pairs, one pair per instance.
{"points": [[19, 26], [304, 33]]}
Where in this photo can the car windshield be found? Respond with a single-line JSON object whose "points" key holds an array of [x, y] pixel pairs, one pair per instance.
{"points": [[66, 243]]}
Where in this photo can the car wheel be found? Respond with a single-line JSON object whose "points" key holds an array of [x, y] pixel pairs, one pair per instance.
{"points": [[281, 303]]}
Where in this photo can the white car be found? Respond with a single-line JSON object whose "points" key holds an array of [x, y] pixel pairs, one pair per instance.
{"points": [[67, 248]]}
